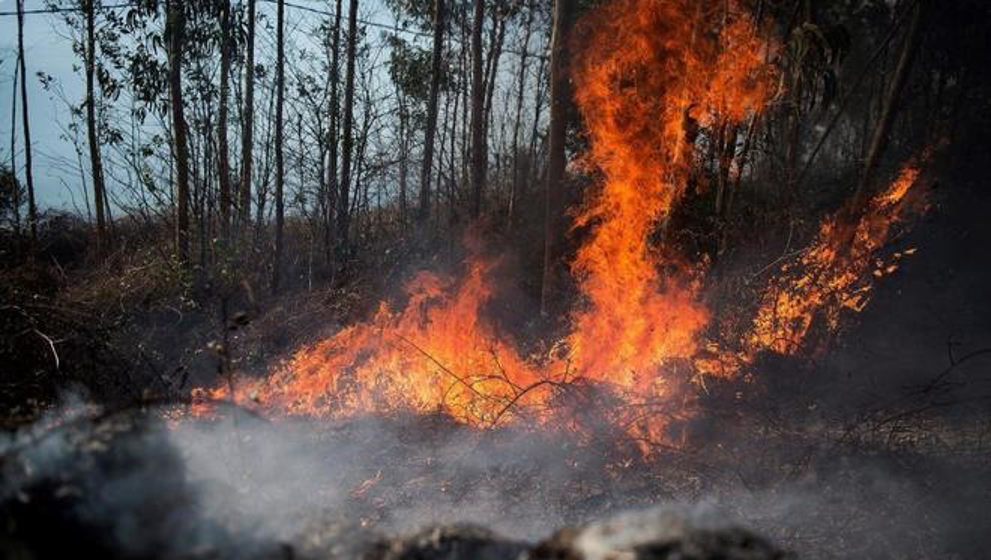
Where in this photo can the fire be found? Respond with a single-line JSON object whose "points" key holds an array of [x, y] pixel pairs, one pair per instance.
{"points": [[436, 354], [650, 65], [648, 74], [835, 274]]}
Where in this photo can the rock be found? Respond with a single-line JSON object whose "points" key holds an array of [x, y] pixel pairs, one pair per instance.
{"points": [[654, 534], [657, 534], [459, 542]]}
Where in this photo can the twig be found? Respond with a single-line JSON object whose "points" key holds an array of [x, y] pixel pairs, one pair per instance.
{"points": [[440, 365], [502, 371], [51, 344], [518, 397]]}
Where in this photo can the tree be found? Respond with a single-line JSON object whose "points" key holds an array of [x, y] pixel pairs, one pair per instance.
{"points": [[175, 24], [32, 208], [15, 193], [96, 162], [223, 161], [11, 197], [560, 96], [428, 137], [521, 89], [330, 202], [343, 209], [883, 130], [244, 210], [479, 157], [280, 178]]}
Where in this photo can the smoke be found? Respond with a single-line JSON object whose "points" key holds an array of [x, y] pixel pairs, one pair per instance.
{"points": [[133, 485], [244, 486]]}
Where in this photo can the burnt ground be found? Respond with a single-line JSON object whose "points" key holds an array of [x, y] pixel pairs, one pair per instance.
{"points": [[128, 485]]}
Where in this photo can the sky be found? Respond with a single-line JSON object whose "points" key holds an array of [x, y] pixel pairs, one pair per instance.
{"points": [[47, 49], [44, 51]]}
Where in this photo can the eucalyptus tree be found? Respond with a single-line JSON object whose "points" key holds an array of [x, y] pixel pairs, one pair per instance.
{"points": [[280, 178], [26, 121], [343, 209], [431, 126], [247, 134], [560, 99], [479, 147], [223, 159]]}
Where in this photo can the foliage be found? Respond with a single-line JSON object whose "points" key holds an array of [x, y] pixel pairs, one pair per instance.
{"points": [[13, 196]]}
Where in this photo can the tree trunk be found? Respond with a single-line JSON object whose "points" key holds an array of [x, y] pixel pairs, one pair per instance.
{"points": [[13, 150], [403, 159], [335, 107], [343, 209], [560, 96], [452, 162], [96, 165], [521, 88], [280, 176], [478, 147], [247, 138], [175, 24], [32, 208], [889, 110], [431, 126], [223, 161], [492, 67], [531, 171]]}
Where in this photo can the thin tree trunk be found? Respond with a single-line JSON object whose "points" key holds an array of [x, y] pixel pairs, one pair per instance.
{"points": [[176, 23], [442, 142], [560, 96], [13, 148], [261, 200], [403, 159], [223, 161], [280, 178], [531, 171], [348, 140], [452, 166], [478, 147], [247, 138], [727, 152], [335, 107], [32, 208], [521, 88], [96, 165], [883, 129], [431, 126], [465, 65], [492, 66]]}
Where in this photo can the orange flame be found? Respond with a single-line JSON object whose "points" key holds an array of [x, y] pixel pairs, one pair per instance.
{"points": [[437, 354], [651, 69], [648, 67], [836, 273], [649, 73]]}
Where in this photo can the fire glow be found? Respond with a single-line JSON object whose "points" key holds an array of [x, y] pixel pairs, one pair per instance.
{"points": [[646, 73]]}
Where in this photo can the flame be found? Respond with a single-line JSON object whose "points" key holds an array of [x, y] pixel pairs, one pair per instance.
{"points": [[436, 354], [648, 73], [835, 274], [650, 69]]}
